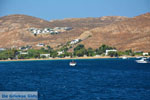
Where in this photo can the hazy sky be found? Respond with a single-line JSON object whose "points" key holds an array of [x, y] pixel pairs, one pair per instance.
{"points": [[59, 9]]}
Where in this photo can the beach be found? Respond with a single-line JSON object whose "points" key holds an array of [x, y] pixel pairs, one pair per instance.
{"points": [[67, 58]]}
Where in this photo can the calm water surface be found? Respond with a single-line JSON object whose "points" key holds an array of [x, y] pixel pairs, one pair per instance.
{"points": [[96, 79]]}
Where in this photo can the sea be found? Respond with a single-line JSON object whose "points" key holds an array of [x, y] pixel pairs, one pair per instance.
{"points": [[91, 79]]}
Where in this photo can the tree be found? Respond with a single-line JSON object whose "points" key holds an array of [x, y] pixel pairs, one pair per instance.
{"points": [[78, 47], [113, 54], [138, 53], [90, 52], [49, 48], [32, 53], [129, 52], [3, 55], [80, 50], [62, 56], [43, 56], [42, 49], [102, 49], [53, 54], [10, 53], [37, 55], [23, 56], [35, 34], [99, 52]]}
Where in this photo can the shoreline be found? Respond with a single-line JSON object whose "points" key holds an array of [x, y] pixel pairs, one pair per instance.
{"points": [[101, 57]]}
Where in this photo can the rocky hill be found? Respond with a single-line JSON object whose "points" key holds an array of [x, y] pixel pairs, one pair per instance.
{"points": [[121, 32], [133, 33]]}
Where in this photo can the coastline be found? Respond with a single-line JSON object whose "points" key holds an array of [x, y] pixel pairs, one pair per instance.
{"points": [[101, 57]]}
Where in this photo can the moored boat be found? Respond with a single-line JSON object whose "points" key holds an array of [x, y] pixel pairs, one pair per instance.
{"points": [[72, 63], [143, 60]]}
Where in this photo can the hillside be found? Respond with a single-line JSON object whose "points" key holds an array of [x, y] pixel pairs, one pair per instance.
{"points": [[14, 30], [133, 33], [120, 32]]}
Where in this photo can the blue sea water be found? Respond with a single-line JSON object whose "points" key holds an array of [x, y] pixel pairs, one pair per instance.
{"points": [[91, 79]]}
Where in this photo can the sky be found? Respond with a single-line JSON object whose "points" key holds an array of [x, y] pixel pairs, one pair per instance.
{"points": [[60, 9]]}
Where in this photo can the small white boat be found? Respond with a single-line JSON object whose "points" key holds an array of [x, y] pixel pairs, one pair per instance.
{"points": [[72, 63], [143, 60], [124, 57]]}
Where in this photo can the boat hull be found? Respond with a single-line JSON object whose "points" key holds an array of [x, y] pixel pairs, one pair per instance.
{"points": [[72, 64], [143, 60], [138, 61]]}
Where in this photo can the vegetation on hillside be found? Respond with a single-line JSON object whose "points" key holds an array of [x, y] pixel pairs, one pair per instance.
{"points": [[79, 51]]}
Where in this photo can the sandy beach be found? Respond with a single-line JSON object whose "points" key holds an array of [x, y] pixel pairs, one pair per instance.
{"points": [[67, 58]]}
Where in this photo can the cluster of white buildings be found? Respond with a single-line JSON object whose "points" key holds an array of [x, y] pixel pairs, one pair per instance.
{"points": [[55, 30]]}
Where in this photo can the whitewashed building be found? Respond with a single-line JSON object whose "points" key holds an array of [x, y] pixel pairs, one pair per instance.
{"points": [[23, 53], [74, 41], [112, 50], [145, 53], [60, 52], [2, 49], [46, 55], [40, 45]]}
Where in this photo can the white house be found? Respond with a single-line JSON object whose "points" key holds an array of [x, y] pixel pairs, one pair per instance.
{"points": [[67, 28], [39, 31], [34, 31], [74, 41], [40, 45], [2, 49], [46, 55], [60, 52], [23, 48], [145, 53], [112, 50], [23, 53]]}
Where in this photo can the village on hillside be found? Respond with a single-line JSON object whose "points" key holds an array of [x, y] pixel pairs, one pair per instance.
{"points": [[56, 30]]}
